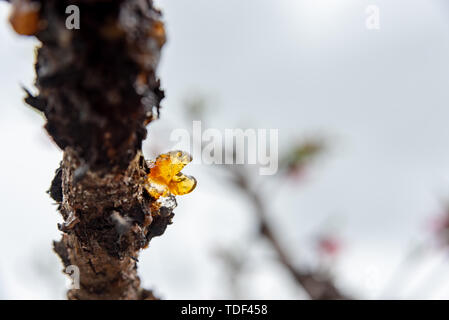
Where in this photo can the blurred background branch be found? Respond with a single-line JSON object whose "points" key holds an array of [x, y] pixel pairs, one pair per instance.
{"points": [[318, 284]]}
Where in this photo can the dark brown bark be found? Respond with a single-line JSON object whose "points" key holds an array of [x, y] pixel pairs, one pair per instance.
{"points": [[98, 91]]}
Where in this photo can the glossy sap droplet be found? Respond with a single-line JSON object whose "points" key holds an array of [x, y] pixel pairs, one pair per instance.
{"points": [[166, 178], [24, 17]]}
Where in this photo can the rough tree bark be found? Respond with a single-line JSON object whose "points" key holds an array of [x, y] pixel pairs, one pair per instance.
{"points": [[98, 90]]}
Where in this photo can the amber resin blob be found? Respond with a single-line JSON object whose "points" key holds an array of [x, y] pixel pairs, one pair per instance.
{"points": [[24, 17], [166, 178]]}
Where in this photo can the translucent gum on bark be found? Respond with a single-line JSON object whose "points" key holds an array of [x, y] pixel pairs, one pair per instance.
{"points": [[165, 177]]}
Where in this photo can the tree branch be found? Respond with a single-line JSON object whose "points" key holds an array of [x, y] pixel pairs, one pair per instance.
{"points": [[317, 287], [98, 91]]}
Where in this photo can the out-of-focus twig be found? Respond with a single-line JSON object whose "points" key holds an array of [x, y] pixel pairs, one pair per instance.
{"points": [[234, 261], [316, 285]]}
